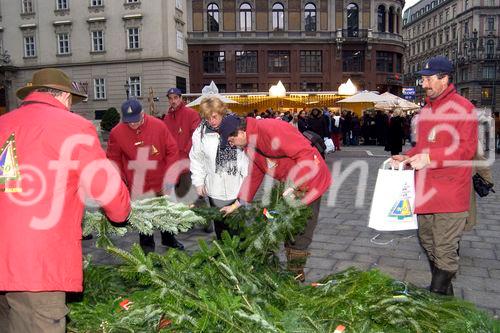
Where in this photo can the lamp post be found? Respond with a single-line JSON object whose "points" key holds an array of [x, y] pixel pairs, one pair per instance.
{"points": [[127, 88]]}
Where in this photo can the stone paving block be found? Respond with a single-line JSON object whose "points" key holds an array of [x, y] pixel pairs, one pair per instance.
{"points": [[393, 272], [419, 278], [366, 258], [351, 233], [319, 252], [322, 263], [477, 253], [467, 282], [417, 264], [494, 226], [488, 233], [332, 239], [473, 271], [390, 261], [487, 263], [472, 238], [494, 273], [483, 298], [361, 249], [342, 265], [328, 246], [341, 255], [492, 285], [315, 274]]}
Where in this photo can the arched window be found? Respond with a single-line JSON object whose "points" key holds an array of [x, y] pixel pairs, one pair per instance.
{"points": [[391, 19], [381, 18], [213, 17], [352, 20], [278, 16], [310, 17], [245, 17], [490, 48]]}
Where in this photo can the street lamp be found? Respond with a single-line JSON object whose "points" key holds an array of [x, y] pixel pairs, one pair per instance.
{"points": [[127, 88]]}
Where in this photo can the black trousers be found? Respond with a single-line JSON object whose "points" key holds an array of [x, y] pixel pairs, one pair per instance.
{"points": [[220, 225]]}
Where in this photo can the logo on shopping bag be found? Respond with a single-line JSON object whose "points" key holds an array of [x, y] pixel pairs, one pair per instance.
{"points": [[402, 208]]}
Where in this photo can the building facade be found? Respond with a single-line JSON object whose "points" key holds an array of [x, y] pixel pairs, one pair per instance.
{"points": [[310, 45], [111, 48], [465, 31]]}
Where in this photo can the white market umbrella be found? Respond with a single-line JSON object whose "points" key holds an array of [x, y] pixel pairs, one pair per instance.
{"points": [[394, 101], [363, 97], [211, 91]]}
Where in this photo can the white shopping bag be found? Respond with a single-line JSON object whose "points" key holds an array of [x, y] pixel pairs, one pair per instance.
{"points": [[330, 147], [393, 203]]}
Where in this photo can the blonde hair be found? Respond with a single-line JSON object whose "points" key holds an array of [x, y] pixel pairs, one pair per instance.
{"points": [[211, 105]]}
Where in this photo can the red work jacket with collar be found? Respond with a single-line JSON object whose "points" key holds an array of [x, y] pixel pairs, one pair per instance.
{"points": [[159, 147], [447, 130], [296, 159], [182, 123], [57, 155]]}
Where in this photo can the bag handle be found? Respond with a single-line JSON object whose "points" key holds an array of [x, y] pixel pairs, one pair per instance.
{"points": [[388, 162]]}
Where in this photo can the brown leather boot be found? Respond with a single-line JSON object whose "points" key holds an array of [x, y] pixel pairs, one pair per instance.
{"points": [[296, 260]]}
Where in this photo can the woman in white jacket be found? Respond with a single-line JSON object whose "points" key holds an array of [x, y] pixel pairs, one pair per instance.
{"points": [[217, 169]]}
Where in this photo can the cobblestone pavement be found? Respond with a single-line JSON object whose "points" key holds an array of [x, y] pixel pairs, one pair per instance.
{"points": [[342, 238]]}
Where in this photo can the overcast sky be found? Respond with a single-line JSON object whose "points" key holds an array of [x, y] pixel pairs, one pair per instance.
{"points": [[410, 3]]}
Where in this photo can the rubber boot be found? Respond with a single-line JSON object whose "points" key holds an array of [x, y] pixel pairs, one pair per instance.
{"points": [[441, 282], [449, 292], [296, 260]]}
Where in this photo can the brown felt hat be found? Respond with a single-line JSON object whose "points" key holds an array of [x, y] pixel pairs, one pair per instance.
{"points": [[54, 79]]}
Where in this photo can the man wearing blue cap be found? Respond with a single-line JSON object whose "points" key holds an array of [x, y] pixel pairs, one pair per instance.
{"points": [[144, 151], [447, 141]]}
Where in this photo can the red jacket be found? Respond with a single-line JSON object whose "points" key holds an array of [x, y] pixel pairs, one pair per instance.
{"points": [[444, 187], [57, 154], [276, 138], [182, 123], [154, 136]]}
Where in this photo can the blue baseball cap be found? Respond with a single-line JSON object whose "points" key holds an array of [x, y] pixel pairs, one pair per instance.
{"points": [[175, 91], [131, 111], [437, 65]]}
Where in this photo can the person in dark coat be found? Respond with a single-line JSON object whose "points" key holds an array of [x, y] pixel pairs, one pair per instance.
{"points": [[395, 134], [381, 121], [317, 123], [302, 122]]}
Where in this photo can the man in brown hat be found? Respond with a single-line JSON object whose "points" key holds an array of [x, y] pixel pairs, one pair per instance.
{"points": [[50, 162]]}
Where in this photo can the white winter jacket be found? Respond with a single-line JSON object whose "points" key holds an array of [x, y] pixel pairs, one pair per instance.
{"points": [[221, 186]]}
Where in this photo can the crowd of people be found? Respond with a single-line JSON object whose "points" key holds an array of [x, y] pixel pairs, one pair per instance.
{"points": [[214, 156], [391, 129]]}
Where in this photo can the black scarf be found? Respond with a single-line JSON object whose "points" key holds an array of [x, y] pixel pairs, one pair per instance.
{"points": [[226, 158]]}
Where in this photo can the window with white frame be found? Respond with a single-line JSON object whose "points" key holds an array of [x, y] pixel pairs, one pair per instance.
{"points": [[180, 41], [27, 6], [245, 17], [97, 41], [29, 46], [133, 38], [135, 86], [63, 46], [99, 88], [96, 3], [62, 4]]}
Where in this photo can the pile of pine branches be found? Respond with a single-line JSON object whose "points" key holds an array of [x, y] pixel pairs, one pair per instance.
{"points": [[238, 285]]}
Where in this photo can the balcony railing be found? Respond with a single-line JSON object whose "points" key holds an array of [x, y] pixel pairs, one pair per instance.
{"points": [[339, 36]]}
